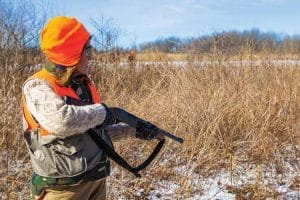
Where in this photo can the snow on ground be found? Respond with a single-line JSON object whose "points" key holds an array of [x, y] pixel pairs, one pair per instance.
{"points": [[232, 63], [221, 184], [279, 182], [214, 186], [285, 181]]}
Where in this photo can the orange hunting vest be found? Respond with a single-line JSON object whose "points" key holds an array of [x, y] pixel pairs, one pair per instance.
{"points": [[61, 91]]}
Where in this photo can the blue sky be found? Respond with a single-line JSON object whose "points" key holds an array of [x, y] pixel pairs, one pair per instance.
{"points": [[148, 20]]}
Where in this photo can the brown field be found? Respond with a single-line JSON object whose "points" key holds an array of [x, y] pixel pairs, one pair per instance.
{"points": [[227, 115]]}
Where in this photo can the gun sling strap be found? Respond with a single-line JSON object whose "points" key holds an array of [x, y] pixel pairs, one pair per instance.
{"points": [[118, 159]]}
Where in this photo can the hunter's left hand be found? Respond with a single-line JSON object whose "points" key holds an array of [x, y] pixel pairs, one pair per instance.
{"points": [[146, 130]]}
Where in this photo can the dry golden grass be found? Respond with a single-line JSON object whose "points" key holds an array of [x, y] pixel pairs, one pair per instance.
{"points": [[227, 116]]}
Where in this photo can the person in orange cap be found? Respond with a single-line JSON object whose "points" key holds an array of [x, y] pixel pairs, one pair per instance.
{"points": [[60, 104]]}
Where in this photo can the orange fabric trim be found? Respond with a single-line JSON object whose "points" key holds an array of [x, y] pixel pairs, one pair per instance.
{"points": [[51, 79], [60, 91], [31, 123], [95, 96]]}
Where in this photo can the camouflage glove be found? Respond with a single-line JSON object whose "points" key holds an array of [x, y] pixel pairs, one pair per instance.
{"points": [[146, 130]]}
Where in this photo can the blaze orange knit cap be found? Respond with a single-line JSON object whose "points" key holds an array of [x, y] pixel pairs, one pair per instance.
{"points": [[63, 39]]}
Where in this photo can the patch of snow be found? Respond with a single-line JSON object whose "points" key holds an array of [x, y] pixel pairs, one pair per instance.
{"points": [[214, 186], [165, 189], [232, 63]]}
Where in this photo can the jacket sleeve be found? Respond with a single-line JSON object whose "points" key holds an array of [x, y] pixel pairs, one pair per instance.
{"points": [[54, 115], [120, 131]]}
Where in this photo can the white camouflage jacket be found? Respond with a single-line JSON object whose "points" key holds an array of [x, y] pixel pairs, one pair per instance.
{"points": [[68, 151]]}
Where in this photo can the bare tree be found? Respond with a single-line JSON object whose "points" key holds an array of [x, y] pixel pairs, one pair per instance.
{"points": [[20, 22], [105, 40], [107, 34]]}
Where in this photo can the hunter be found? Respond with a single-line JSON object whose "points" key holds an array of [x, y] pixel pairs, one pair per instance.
{"points": [[60, 104]]}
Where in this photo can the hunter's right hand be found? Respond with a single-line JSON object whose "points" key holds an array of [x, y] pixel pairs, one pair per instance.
{"points": [[109, 118]]}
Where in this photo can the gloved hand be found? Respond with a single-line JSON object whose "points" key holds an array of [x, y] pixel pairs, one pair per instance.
{"points": [[146, 130], [109, 118]]}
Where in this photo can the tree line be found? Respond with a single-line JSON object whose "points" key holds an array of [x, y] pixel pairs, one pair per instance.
{"points": [[229, 42]]}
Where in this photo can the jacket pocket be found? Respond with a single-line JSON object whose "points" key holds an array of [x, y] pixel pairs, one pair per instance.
{"points": [[68, 157]]}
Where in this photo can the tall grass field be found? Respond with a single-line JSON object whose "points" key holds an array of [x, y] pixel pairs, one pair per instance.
{"points": [[237, 121]]}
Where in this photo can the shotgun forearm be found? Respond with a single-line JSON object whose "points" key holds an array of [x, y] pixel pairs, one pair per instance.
{"points": [[134, 121]]}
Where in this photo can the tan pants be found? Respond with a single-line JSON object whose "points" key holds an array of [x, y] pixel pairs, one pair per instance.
{"points": [[95, 190]]}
